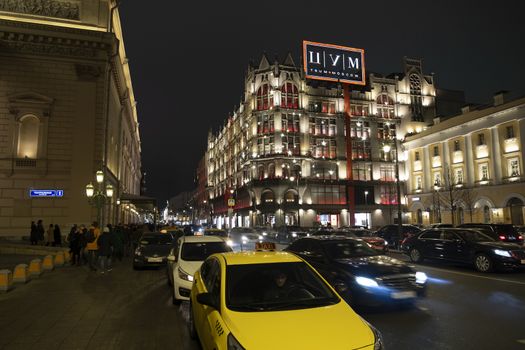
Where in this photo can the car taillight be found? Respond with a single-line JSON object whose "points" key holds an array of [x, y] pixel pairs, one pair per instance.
{"points": [[520, 237], [501, 237]]}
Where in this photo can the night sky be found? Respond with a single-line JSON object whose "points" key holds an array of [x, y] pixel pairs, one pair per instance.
{"points": [[188, 59]]}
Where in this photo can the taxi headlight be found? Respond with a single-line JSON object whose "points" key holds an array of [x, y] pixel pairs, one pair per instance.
{"points": [[233, 344], [502, 252], [366, 282], [184, 275], [421, 277], [229, 242]]}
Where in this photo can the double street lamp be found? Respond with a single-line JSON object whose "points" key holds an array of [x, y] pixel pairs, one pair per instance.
{"points": [[98, 195]]}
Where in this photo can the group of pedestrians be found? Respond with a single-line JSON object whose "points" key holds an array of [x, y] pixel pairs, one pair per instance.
{"points": [[51, 237]]}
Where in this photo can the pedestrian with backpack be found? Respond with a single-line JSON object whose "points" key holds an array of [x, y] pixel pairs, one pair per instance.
{"points": [[92, 245]]}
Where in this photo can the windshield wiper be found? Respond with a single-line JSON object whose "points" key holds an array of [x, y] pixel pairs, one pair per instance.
{"points": [[305, 302]]}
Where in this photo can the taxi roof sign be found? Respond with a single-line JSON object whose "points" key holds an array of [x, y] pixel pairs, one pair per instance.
{"points": [[264, 246]]}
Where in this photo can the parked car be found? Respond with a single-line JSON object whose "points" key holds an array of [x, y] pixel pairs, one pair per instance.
{"points": [[439, 225], [287, 234], [152, 249], [359, 273], [465, 246], [239, 300], [391, 235], [370, 237], [501, 232], [186, 257]]}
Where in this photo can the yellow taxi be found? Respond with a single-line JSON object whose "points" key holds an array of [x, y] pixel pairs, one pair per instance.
{"points": [[267, 299]]}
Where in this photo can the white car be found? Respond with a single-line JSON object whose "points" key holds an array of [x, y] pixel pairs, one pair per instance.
{"points": [[186, 257]]}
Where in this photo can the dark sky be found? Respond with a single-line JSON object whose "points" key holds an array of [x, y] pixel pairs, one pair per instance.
{"points": [[188, 59]]}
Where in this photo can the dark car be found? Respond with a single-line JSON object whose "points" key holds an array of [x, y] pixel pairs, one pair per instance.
{"points": [[152, 249], [287, 234], [359, 273], [500, 232], [391, 235], [464, 246], [370, 237]]}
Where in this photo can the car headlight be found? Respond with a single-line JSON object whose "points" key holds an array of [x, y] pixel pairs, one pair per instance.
{"points": [[500, 252], [421, 277], [244, 238], [233, 344], [386, 243], [260, 237], [294, 235], [229, 242], [184, 275], [264, 234], [138, 252], [366, 282]]}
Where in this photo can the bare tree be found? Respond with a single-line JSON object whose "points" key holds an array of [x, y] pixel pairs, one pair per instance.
{"points": [[468, 196], [450, 192]]}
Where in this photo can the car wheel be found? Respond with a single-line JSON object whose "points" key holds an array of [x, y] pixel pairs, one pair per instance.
{"points": [[483, 263], [415, 255], [191, 324]]}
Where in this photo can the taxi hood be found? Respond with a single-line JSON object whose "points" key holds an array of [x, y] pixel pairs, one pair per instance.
{"points": [[328, 327]]}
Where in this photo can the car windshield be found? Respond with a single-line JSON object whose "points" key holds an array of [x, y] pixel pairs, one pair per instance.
{"points": [[348, 249], [199, 251], [475, 236], [276, 286], [156, 239]]}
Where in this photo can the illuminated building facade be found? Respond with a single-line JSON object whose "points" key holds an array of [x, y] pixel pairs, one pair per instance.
{"points": [[300, 151], [469, 168], [67, 109]]}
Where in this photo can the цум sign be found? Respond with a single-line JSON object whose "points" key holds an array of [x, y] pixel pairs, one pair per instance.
{"points": [[334, 63], [46, 193]]}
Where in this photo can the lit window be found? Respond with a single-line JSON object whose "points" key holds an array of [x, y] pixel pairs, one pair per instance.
{"points": [[513, 167], [28, 137], [289, 96], [385, 106], [264, 97]]}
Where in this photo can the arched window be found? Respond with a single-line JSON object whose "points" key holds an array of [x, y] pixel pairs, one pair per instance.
{"points": [[260, 172], [28, 137], [415, 97], [296, 171], [267, 197], [291, 197], [385, 106], [264, 97], [289, 96], [419, 216], [271, 170]]}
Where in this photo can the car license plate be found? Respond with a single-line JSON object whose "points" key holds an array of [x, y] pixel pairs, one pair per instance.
{"points": [[403, 295], [154, 259]]}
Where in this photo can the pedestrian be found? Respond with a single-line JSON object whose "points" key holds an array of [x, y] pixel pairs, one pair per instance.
{"points": [[40, 232], [33, 235], [92, 236], [49, 235], [57, 235], [82, 231], [75, 246], [117, 241], [105, 250]]}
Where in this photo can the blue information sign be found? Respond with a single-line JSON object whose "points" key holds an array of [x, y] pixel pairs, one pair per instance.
{"points": [[46, 193]]}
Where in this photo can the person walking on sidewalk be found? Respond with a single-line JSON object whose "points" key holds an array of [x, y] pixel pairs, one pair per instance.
{"points": [[92, 236], [40, 232], [105, 250], [33, 235], [49, 235], [74, 246], [82, 231], [57, 235]]}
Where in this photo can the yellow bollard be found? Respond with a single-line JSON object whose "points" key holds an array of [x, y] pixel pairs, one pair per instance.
{"points": [[6, 280], [35, 267], [67, 256], [48, 263], [21, 274], [59, 259]]}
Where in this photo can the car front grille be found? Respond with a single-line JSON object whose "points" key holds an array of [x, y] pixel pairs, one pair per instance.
{"points": [[398, 282]]}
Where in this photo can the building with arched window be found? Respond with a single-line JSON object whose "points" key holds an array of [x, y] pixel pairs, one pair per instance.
{"points": [[68, 110], [310, 152]]}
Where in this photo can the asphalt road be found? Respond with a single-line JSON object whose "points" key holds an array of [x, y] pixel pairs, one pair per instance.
{"points": [[76, 309]]}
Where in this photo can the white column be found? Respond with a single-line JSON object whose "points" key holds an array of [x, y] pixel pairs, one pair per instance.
{"points": [[469, 161], [427, 171]]}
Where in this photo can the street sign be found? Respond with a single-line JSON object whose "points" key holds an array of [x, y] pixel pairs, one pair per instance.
{"points": [[334, 63], [231, 202], [45, 193]]}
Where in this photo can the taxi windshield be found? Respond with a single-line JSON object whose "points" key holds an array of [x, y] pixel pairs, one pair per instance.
{"points": [[201, 250], [276, 286], [348, 249]]}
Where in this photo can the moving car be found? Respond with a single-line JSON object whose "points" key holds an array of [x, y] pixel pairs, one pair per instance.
{"points": [[152, 249], [186, 257], [391, 235], [501, 232], [245, 235], [236, 303], [287, 234], [464, 246], [360, 274]]}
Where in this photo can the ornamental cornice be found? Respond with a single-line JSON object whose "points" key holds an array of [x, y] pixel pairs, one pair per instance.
{"points": [[12, 26], [48, 8]]}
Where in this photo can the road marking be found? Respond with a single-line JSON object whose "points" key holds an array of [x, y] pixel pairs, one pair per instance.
{"points": [[477, 276]]}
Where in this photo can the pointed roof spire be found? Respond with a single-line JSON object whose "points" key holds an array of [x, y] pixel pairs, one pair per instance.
{"points": [[264, 63], [288, 61]]}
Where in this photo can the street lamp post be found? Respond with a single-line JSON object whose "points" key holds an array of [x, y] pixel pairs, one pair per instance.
{"points": [[98, 195]]}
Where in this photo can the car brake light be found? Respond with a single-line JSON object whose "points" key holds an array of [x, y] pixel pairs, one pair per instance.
{"points": [[520, 237], [501, 237]]}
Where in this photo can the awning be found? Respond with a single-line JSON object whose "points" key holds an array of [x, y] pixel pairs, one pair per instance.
{"points": [[142, 202]]}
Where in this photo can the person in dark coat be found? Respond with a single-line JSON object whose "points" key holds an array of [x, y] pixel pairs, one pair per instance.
{"points": [[40, 231], [104, 250], [57, 235], [33, 235], [75, 246], [117, 241]]}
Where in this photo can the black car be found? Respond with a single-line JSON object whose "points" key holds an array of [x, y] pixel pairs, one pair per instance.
{"points": [[391, 235], [500, 232], [287, 234], [360, 274], [152, 249], [464, 246]]}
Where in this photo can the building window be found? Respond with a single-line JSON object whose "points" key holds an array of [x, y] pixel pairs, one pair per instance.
{"points": [[28, 137], [415, 98], [322, 107], [388, 194], [457, 146], [271, 170], [386, 131], [360, 130], [458, 176], [328, 194], [481, 139], [322, 126], [359, 110], [290, 122], [322, 148], [289, 96], [361, 171], [264, 97], [265, 145], [265, 124], [484, 172], [387, 173], [513, 167], [385, 106], [361, 149], [510, 132], [437, 179], [436, 151], [291, 144], [416, 156], [419, 183]]}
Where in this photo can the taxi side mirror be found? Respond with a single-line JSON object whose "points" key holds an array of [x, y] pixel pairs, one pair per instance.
{"points": [[208, 299]]}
